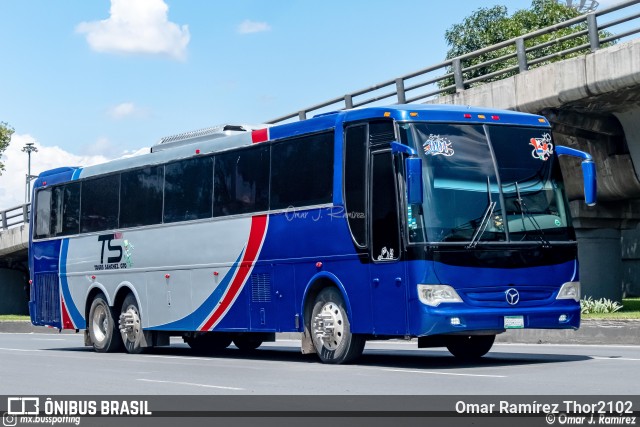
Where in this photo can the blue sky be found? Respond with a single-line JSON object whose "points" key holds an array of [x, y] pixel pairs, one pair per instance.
{"points": [[92, 80]]}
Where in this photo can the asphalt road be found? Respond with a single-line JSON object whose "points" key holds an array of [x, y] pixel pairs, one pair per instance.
{"points": [[60, 364]]}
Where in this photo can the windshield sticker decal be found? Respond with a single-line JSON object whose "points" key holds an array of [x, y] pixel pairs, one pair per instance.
{"points": [[438, 145], [542, 147], [386, 254]]}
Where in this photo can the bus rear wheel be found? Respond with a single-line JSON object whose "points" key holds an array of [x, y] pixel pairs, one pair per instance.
{"points": [[470, 347], [103, 329], [331, 329], [131, 326]]}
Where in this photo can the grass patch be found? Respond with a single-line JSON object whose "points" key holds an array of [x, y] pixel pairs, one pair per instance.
{"points": [[14, 317], [630, 310]]}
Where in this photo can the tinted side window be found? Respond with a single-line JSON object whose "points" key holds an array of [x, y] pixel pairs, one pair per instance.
{"points": [[242, 181], [99, 203], [354, 181], [381, 132], [65, 209], [302, 171], [43, 214], [188, 186], [141, 197]]}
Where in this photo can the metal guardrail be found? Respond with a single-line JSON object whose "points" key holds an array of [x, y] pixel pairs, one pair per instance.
{"points": [[14, 216], [515, 56]]}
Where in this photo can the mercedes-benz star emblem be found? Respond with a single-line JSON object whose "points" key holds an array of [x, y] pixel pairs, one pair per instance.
{"points": [[512, 296]]}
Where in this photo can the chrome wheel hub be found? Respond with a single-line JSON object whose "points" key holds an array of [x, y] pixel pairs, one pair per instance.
{"points": [[130, 325], [328, 325], [100, 323]]}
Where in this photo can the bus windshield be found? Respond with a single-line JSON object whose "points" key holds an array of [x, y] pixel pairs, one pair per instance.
{"points": [[486, 184]]}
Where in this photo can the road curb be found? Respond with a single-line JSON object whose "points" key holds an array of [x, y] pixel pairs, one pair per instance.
{"points": [[595, 332]]}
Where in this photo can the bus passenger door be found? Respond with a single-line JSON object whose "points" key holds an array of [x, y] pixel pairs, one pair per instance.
{"points": [[387, 273]]}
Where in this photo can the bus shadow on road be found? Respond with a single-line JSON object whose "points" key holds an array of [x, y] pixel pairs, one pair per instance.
{"points": [[391, 358], [411, 358]]}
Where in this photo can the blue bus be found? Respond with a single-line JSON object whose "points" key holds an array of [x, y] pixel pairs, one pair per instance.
{"points": [[442, 223]]}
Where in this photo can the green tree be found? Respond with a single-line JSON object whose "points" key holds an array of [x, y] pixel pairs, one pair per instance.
{"points": [[489, 26], [5, 137]]}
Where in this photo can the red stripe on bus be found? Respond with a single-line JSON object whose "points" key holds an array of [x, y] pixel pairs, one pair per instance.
{"points": [[260, 135], [67, 323], [256, 236]]}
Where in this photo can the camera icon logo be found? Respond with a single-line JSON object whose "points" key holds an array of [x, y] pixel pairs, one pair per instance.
{"points": [[9, 420]]}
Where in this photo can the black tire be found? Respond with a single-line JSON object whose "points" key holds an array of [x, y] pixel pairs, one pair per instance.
{"points": [[103, 327], [247, 342], [209, 342], [470, 347], [331, 330], [134, 335]]}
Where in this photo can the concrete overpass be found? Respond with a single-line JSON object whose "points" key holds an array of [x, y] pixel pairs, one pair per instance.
{"points": [[14, 273], [591, 97]]}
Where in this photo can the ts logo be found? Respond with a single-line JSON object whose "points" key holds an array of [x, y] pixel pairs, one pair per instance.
{"points": [[106, 240]]}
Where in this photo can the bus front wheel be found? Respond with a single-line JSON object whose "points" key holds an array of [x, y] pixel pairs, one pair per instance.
{"points": [[470, 347], [208, 342], [103, 329], [246, 342], [331, 329]]}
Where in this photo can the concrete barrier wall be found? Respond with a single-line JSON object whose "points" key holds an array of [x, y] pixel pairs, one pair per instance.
{"points": [[14, 239]]}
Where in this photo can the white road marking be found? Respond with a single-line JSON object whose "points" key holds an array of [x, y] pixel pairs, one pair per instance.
{"points": [[17, 349], [415, 371], [49, 339], [614, 358], [190, 384]]}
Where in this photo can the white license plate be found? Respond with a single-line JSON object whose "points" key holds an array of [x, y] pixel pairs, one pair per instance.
{"points": [[513, 322]]}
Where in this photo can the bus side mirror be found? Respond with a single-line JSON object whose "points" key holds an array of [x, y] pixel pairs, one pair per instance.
{"points": [[590, 183], [413, 166], [588, 172]]}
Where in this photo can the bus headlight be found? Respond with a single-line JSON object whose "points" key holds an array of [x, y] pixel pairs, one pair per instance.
{"points": [[570, 290], [433, 295]]}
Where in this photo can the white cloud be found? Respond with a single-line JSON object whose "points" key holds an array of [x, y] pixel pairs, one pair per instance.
{"points": [[137, 26], [12, 180], [247, 27], [123, 110], [102, 147]]}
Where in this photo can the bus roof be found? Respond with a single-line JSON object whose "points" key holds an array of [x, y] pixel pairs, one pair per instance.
{"points": [[208, 142], [409, 112]]}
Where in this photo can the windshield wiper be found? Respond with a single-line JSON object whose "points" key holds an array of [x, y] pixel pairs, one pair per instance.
{"points": [[485, 219], [519, 202]]}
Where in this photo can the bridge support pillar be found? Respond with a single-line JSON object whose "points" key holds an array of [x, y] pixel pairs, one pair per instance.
{"points": [[600, 255], [631, 262], [14, 295]]}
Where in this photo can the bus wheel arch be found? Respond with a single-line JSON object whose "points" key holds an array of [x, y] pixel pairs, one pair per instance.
{"points": [[315, 286], [91, 295], [327, 325]]}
